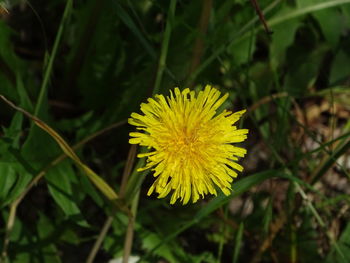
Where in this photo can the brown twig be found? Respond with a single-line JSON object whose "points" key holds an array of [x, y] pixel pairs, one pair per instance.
{"points": [[130, 230], [267, 99], [261, 16], [128, 168], [231, 223], [275, 227], [99, 240], [108, 223]]}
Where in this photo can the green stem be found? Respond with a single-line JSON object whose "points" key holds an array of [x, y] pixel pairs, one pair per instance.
{"points": [[48, 70], [319, 219], [165, 46], [243, 33], [306, 10]]}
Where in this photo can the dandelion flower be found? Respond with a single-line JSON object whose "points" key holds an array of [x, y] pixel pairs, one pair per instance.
{"points": [[191, 151]]}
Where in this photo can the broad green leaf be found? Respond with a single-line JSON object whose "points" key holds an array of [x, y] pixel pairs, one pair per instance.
{"points": [[14, 131], [282, 38], [331, 23], [8, 178], [343, 255], [149, 240], [59, 179], [304, 69], [21, 183], [89, 189], [48, 251], [24, 99], [340, 68], [19, 237], [15, 171], [306, 7], [240, 50]]}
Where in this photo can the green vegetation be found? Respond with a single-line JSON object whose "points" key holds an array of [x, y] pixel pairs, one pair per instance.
{"points": [[76, 70]]}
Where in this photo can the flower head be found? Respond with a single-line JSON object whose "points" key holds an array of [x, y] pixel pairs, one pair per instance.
{"points": [[191, 144]]}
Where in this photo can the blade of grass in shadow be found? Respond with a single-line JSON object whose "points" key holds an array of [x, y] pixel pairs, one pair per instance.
{"points": [[244, 32], [238, 242], [320, 148], [306, 10], [323, 146], [135, 180], [296, 181], [239, 188], [128, 21], [165, 46], [331, 160], [235, 38], [320, 221], [48, 70], [105, 189], [289, 174]]}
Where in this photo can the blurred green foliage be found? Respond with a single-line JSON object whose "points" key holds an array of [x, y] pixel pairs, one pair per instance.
{"points": [[82, 66]]}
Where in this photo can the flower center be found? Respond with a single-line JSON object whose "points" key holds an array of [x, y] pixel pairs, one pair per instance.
{"points": [[184, 144]]}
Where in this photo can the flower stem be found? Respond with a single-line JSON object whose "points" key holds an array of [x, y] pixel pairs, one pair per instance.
{"points": [[165, 45]]}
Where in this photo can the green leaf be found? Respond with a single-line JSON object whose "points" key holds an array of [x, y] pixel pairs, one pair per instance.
{"points": [[239, 188], [343, 255], [48, 251], [282, 38], [15, 172], [150, 239], [13, 132], [60, 180], [124, 16], [88, 188], [331, 22], [8, 178], [22, 181], [304, 69], [8, 174], [240, 50], [340, 68], [20, 237]]}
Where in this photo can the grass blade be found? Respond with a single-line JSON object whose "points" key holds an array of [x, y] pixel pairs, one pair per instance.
{"points": [[238, 242], [105, 189]]}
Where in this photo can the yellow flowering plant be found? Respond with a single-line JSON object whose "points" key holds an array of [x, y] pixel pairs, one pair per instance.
{"points": [[191, 144]]}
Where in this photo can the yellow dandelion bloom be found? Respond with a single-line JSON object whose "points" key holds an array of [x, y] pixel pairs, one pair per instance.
{"points": [[191, 145]]}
